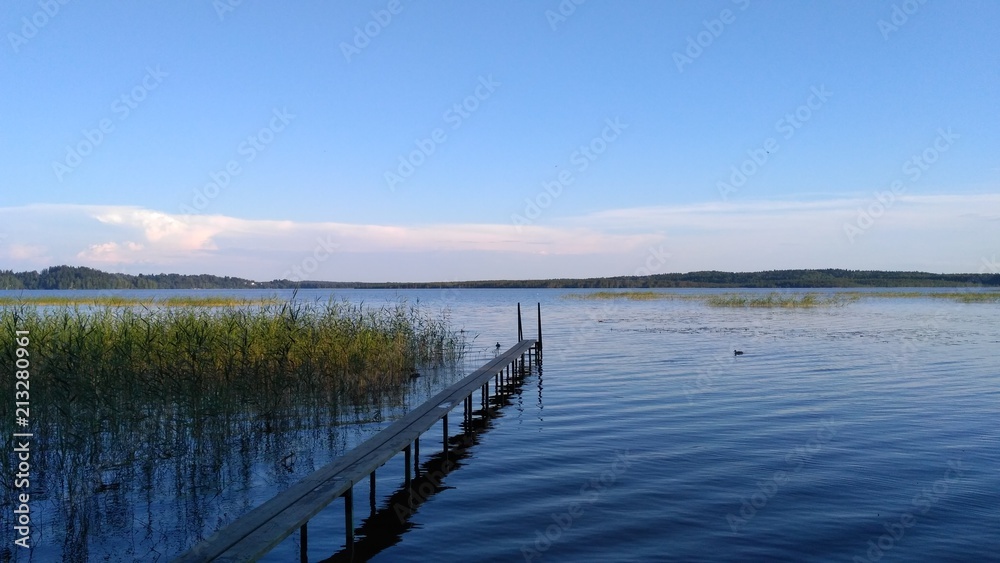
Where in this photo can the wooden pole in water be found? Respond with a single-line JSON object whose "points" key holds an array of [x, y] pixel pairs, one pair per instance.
{"points": [[371, 493], [406, 457], [539, 343], [349, 517], [520, 333], [444, 431], [304, 543], [416, 457]]}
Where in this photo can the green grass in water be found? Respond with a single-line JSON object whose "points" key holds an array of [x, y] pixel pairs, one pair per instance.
{"points": [[777, 300], [110, 361], [120, 301], [789, 301], [135, 396]]}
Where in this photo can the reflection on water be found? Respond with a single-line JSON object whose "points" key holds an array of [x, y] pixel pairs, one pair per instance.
{"points": [[385, 527], [147, 487]]}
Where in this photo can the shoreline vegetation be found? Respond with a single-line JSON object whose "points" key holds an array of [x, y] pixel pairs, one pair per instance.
{"points": [[219, 355], [72, 277], [790, 300], [128, 301], [135, 400]]}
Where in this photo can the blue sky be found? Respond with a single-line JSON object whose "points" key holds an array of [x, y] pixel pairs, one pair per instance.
{"points": [[419, 141]]}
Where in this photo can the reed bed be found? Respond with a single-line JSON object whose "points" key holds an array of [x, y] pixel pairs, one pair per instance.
{"points": [[985, 297], [169, 403], [115, 388], [791, 301], [121, 301], [777, 300], [220, 358], [960, 296]]}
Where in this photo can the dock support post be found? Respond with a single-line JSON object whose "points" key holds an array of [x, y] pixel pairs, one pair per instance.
{"points": [[444, 431], [406, 456], [520, 333], [304, 543], [349, 517], [371, 492], [538, 343], [416, 457]]}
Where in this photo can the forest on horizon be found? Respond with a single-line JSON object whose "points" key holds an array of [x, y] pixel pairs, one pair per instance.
{"points": [[77, 277]]}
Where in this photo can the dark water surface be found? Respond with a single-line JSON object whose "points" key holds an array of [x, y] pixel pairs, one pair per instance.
{"points": [[864, 432]]}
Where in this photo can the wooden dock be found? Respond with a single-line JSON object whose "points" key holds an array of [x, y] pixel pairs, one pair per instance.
{"points": [[260, 530]]}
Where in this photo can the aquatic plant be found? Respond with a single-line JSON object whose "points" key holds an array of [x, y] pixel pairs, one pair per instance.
{"points": [[790, 300], [126, 392], [960, 296], [777, 300], [123, 301], [984, 297], [217, 359]]}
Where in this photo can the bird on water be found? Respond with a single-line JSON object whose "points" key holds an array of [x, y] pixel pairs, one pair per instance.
{"points": [[737, 352], [497, 353]]}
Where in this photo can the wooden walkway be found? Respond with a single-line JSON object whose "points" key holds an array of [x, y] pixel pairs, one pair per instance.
{"points": [[264, 527]]}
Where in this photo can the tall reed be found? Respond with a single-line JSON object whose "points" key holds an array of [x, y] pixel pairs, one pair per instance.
{"points": [[126, 396], [777, 300], [271, 356]]}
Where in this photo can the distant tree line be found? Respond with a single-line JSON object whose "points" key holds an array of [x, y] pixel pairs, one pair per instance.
{"points": [[73, 277], [766, 279]]}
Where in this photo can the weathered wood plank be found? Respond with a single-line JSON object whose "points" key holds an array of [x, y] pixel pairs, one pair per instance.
{"points": [[260, 530]]}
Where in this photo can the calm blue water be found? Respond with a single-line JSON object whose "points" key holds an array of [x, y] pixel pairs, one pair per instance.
{"points": [[864, 432]]}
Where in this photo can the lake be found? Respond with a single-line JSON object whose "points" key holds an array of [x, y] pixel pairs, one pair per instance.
{"points": [[862, 432]]}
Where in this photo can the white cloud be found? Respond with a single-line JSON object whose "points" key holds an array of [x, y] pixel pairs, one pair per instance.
{"points": [[112, 253], [933, 233]]}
